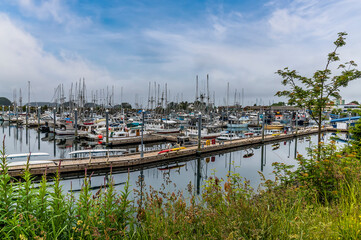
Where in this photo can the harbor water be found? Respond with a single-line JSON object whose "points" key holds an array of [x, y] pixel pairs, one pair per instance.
{"points": [[172, 176]]}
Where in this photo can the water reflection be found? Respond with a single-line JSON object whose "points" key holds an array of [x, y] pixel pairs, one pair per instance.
{"points": [[172, 175]]}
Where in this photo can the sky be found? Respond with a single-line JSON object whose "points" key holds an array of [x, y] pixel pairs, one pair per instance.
{"points": [[125, 44]]}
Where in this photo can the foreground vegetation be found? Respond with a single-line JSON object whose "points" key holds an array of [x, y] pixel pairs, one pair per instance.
{"points": [[320, 200]]}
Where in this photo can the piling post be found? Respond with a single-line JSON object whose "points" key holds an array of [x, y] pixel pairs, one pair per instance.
{"points": [[76, 121], [296, 123], [263, 116], [54, 118], [199, 131], [27, 116], [9, 114], [3, 112], [17, 115], [39, 140], [39, 109], [107, 126], [141, 143], [262, 160]]}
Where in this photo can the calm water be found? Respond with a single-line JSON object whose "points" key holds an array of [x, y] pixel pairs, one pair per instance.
{"points": [[165, 176]]}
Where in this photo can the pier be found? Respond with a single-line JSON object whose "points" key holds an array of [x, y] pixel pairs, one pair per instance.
{"points": [[134, 159], [137, 140]]}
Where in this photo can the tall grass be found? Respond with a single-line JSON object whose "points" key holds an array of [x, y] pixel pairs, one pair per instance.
{"points": [[319, 200], [41, 211]]}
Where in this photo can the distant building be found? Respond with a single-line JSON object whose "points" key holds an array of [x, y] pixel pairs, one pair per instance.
{"points": [[339, 101], [348, 106]]}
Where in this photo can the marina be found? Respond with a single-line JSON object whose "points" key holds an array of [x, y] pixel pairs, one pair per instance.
{"points": [[125, 141], [134, 159]]}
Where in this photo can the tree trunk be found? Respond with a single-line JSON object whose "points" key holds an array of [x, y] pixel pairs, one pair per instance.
{"points": [[319, 135]]}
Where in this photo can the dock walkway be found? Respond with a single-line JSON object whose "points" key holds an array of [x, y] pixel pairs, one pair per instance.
{"points": [[134, 159]]}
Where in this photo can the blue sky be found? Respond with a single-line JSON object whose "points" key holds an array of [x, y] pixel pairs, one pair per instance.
{"points": [[129, 43]]}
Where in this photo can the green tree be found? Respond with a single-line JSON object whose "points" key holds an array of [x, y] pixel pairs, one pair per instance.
{"points": [[279, 104], [126, 105], [355, 102], [183, 105], [313, 93], [4, 101]]}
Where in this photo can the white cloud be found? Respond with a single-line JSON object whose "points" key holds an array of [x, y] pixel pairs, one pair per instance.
{"points": [[227, 45], [22, 59], [247, 54], [54, 10], [44, 10]]}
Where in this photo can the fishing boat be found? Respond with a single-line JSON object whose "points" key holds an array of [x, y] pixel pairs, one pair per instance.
{"points": [[274, 126], [242, 122], [162, 128], [205, 133], [248, 134], [228, 136]]}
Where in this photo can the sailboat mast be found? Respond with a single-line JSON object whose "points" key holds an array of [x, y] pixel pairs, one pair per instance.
{"points": [[196, 87], [207, 90]]}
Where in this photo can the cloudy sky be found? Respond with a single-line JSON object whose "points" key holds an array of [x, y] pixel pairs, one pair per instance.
{"points": [[129, 43]]}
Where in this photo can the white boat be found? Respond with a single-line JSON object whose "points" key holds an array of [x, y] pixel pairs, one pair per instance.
{"points": [[272, 132], [31, 162], [161, 128], [242, 122], [25, 155], [228, 136], [205, 134], [99, 151]]}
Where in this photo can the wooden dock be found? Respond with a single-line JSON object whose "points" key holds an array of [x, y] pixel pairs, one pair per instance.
{"points": [[137, 140], [134, 159]]}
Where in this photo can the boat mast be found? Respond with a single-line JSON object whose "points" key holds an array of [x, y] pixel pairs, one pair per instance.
{"points": [[207, 91], [227, 99]]}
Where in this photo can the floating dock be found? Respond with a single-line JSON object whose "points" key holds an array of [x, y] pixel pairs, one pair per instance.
{"points": [[137, 140], [134, 159]]}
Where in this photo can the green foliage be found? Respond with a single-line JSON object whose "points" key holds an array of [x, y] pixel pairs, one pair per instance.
{"points": [[313, 93], [39, 211], [322, 177], [126, 105], [317, 200], [279, 104], [356, 133]]}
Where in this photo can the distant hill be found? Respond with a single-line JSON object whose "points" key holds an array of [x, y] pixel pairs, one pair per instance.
{"points": [[4, 101]]}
